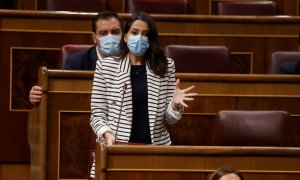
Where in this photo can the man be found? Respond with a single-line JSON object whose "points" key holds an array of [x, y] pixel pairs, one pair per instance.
{"points": [[106, 35]]}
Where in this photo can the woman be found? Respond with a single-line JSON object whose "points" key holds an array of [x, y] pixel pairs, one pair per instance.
{"points": [[134, 93], [226, 173]]}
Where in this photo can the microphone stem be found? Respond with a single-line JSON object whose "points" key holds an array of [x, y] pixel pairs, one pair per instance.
{"points": [[119, 118]]}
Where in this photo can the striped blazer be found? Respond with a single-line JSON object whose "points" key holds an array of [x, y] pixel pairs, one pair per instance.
{"points": [[106, 102]]}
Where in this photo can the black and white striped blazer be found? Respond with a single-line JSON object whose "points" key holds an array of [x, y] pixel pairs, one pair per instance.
{"points": [[110, 77]]}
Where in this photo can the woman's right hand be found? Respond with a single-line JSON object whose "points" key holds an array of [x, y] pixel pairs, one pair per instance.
{"points": [[35, 94], [109, 138]]}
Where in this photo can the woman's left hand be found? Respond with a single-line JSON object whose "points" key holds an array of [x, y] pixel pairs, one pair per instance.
{"points": [[181, 95]]}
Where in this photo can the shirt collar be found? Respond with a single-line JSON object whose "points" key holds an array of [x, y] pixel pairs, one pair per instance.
{"points": [[98, 53]]}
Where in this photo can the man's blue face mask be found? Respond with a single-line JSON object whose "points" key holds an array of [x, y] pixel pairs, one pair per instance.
{"points": [[109, 45], [138, 45]]}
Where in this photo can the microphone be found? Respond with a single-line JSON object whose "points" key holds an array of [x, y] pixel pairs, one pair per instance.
{"points": [[123, 93]]}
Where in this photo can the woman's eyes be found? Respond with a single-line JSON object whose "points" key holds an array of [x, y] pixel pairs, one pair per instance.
{"points": [[134, 32], [137, 33]]}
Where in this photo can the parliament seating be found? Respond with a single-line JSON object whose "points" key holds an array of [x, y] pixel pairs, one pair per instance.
{"points": [[199, 59], [257, 8], [284, 62], [158, 6], [75, 5], [69, 49], [252, 128]]}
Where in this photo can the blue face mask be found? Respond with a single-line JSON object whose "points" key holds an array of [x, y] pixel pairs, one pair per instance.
{"points": [[138, 45], [109, 45]]}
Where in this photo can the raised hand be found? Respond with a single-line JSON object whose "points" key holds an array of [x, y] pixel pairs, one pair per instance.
{"points": [[181, 95]]}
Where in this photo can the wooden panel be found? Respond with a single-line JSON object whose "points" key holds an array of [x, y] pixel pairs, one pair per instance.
{"points": [[193, 129], [194, 162], [73, 141], [27, 4], [241, 62], [14, 171], [24, 62]]}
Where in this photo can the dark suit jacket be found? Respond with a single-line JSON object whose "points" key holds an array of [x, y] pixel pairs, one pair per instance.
{"points": [[83, 60], [298, 68], [291, 67]]}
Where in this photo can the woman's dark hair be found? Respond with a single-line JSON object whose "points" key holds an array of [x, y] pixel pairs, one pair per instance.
{"points": [[154, 55], [224, 170], [105, 15]]}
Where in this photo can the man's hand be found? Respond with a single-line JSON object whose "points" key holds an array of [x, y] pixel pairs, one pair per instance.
{"points": [[35, 94]]}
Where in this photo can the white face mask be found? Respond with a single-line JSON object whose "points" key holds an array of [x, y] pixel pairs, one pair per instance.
{"points": [[137, 44], [109, 45]]}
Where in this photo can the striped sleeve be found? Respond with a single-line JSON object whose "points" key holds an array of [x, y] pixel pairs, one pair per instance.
{"points": [[98, 121], [171, 116]]}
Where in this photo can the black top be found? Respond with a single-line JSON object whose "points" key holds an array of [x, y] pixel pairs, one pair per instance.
{"points": [[140, 131]]}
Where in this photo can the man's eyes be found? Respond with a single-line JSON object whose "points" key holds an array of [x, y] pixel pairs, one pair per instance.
{"points": [[115, 32], [103, 33]]}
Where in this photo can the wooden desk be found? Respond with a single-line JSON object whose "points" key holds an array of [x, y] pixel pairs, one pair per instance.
{"points": [[59, 130], [194, 162]]}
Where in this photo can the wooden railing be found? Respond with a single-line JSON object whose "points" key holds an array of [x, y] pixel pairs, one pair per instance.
{"points": [[194, 162]]}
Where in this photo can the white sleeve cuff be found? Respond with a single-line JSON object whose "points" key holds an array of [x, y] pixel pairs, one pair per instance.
{"points": [[175, 114], [100, 133]]}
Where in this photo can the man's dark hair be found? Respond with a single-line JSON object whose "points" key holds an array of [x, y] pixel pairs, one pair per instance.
{"points": [[105, 15]]}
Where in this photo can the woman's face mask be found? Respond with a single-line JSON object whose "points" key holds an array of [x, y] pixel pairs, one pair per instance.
{"points": [[109, 45], [137, 44]]}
